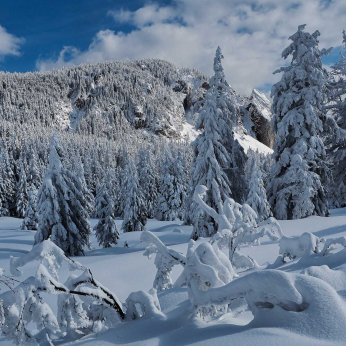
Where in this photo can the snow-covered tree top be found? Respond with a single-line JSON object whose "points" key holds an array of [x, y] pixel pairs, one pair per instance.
{"points": [[219, 79], [304, 49]]}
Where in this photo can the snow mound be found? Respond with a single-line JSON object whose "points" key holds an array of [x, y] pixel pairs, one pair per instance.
{"points": [[300, 303], [177, 230]]}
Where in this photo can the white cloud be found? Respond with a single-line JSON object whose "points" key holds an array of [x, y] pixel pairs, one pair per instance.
{"points": [[9, 44], [146, 15], [251, 33]]}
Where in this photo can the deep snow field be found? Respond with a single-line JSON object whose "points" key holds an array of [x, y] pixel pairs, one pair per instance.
{"points": [[124, 270]]}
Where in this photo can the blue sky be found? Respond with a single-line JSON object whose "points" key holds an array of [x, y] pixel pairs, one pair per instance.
{"points": [[47, 26], [41, 35]]}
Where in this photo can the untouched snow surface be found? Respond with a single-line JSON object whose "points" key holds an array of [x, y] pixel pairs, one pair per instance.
{"points": [[248, 142], [125, 270]]}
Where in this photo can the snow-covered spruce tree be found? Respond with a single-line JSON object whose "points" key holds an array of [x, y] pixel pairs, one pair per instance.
{"points": [[226, 101], [148, 181], [338, 94], [172, 189], [89, 198], [210, 158], [106, 229], [33, 175], [61, 206], [135, 217], [30, 221], [33, 179], [125, 176], [213, 152], [6, 183], [296, 189], [180, 181], [336, 138], [22, 194], [257, 197]]}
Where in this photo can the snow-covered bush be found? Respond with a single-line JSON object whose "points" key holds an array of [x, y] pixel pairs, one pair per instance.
{"points": [[328, 245], [237, 224], [165, 259], [296, 247], [307, 245], [84, 305], [142, 304], [205, 267]]}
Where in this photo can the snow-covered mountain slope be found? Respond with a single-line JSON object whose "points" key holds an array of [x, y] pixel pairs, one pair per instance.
{"points": [[125, 270], [147, 94], [114, 97]]}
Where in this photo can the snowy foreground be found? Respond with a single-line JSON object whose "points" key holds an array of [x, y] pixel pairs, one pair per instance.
{"points": [[125, 270]]}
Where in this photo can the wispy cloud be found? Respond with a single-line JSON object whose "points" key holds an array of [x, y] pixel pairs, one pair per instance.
{"points": [[9, 44], [252, 34]]}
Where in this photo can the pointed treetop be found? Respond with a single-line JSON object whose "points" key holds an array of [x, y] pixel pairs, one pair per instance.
{"points": [[217, 60], [301, 27], [219, 79]]}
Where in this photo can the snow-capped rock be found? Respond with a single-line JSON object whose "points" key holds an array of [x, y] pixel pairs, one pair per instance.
{"points": [[256, 116]]}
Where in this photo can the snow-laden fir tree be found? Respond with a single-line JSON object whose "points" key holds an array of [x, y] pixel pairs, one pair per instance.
{"points": [[6, 183], [30, 221], [89, 198], [214, 152], [33, 174], [33, 179], [338, 94], [22, 194], [148, 180], [125, 176], [61, 206], [226, 101], [296, 189], [257, 197], [337, 143], [172, 189], [106, 229], [210, 158], [135, 217]]}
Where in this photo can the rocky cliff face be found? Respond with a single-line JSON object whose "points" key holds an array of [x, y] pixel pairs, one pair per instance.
{"points": [[256, 117]]}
